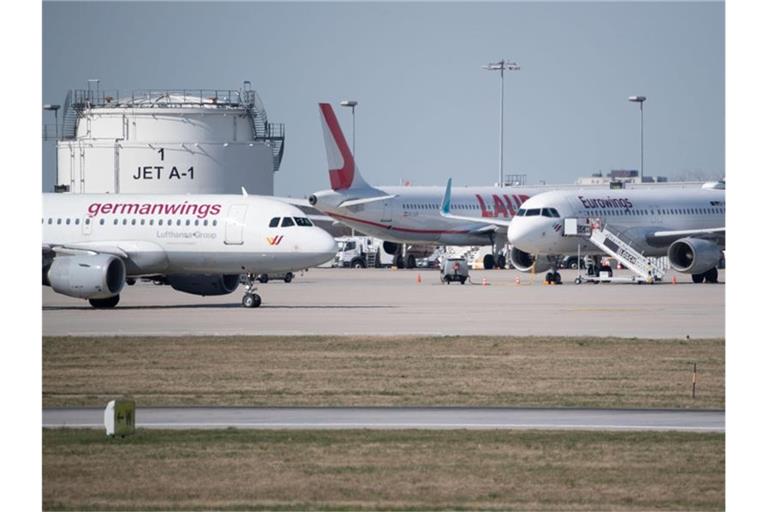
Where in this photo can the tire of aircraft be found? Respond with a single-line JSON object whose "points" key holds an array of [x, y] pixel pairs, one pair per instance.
{"points": [[288, 277], [399, 262], [411, 262], [710, 276], [107, 303], [501, 261], [558, 278], [488, 262], [251, 300], [697, 278]]}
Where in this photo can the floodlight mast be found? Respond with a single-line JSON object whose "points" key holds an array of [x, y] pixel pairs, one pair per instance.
{"points": [[640, 100], [501, 66]]}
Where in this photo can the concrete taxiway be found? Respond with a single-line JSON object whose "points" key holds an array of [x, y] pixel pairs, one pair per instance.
{"points": [[398, 418], [392, 302]]}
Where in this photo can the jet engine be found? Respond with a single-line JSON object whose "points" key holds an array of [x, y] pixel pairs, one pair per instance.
{"points": [[204, 284], [693, 255], [99, 276], [526, 262]]}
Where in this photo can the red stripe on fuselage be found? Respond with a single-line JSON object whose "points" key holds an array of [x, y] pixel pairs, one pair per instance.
{"points": [[395, 228], [341, 179]]}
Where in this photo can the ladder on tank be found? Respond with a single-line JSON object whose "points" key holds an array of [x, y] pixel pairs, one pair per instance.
{"points": [[646, 269]]}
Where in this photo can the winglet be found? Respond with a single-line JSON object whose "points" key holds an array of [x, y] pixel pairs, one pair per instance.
{"points": [[445, 205]]}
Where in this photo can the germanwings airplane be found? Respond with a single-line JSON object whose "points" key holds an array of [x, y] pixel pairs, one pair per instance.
{"points": [[687, 225], [411, 215], [94, 243]]}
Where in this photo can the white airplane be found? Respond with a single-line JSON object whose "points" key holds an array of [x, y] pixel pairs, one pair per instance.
{"points": [[94, 243], [687, 225], [411, 215]]}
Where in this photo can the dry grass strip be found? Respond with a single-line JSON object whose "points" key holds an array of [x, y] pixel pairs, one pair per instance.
{"points": [[336, 470], [415, 370]]}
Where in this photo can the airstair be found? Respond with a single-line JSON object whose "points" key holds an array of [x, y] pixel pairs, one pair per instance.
{"points": [[646, 269]]}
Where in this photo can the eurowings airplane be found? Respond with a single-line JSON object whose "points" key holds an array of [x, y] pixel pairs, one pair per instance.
{"points": [[411, 215], [687, 225], [200, 244]]}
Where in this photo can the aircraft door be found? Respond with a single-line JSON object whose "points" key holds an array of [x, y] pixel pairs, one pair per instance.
{"points": [[86, 225], [235, 224], [386, 215]]}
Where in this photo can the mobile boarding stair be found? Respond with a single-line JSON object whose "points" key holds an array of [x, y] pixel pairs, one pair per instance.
{"points": [[646, 270]]}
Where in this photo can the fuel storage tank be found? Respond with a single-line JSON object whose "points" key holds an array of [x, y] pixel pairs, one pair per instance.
{"points": [[186, 141]]}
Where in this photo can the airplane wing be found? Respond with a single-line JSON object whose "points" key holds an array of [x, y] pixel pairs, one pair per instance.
{"points": [[353, 202], [716, 235], [490, 224]]}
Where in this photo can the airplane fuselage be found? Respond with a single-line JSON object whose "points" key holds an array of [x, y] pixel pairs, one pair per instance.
{"points": [[413, 214], [632, 214], [166, 234]]}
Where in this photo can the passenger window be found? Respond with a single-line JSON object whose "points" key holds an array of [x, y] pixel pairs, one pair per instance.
{"points": [[197, 222], [178, 222], [151, 222], [133, 222], [67, 222], [87, 221], [274, 222], [160, 222], [214, 222], [187, 223], [115, 223], [77, 222], [205, 222], [50, 220], [142, 222], [101, 221], [287, 222], [58, 221]]}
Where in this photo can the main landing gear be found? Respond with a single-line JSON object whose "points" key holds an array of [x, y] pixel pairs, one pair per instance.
{"points": [[251, 299], [710, 276]]}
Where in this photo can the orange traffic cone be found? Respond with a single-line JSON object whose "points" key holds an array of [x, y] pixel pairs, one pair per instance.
{"points": [[418, 278], [485, 282], [517, 280], [674, 279]]}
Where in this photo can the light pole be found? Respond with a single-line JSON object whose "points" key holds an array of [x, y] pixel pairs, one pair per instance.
{"points": [[501, 66], [640, 100], [353, 104]]}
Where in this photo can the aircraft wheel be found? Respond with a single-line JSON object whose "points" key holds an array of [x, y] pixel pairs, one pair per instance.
{"points": [[710, 276], [557, 278], [288, 277], [251, 300], [107, 303], [697, 278], [399, 263], [488, 262], [411, 261], [501, 261]]}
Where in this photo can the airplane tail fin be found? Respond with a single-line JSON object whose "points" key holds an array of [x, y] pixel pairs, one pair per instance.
{"points": [[342, 169]]}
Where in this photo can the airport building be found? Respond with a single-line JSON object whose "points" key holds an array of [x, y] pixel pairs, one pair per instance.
{"points": [[186, 141]]}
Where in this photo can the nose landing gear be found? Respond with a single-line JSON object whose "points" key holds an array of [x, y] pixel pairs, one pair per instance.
{"points": [[250, 298]]}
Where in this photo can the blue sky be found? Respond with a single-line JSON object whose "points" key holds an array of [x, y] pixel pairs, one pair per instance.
{"points": [[427, 110]]}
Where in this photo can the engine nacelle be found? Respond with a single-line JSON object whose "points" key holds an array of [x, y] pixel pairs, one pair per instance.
{"points": [[693, 255], [97, 276], [204, 284], [526, 262]]}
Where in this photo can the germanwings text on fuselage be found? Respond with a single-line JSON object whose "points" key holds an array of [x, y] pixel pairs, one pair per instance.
{"points": [[201, 211]]}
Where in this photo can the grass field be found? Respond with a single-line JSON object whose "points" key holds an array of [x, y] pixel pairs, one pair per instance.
{"points": [[298, 470], [472, 371]]}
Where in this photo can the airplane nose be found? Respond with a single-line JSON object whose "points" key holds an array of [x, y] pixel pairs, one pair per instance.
{"points": [[324, 245], [525, 235]]}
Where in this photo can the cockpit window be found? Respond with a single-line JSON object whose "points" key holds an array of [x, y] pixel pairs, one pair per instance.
{"points": [[302, 221], [521, 212], [287, 222], [533, 212], [550, 212], [274, 222]]}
